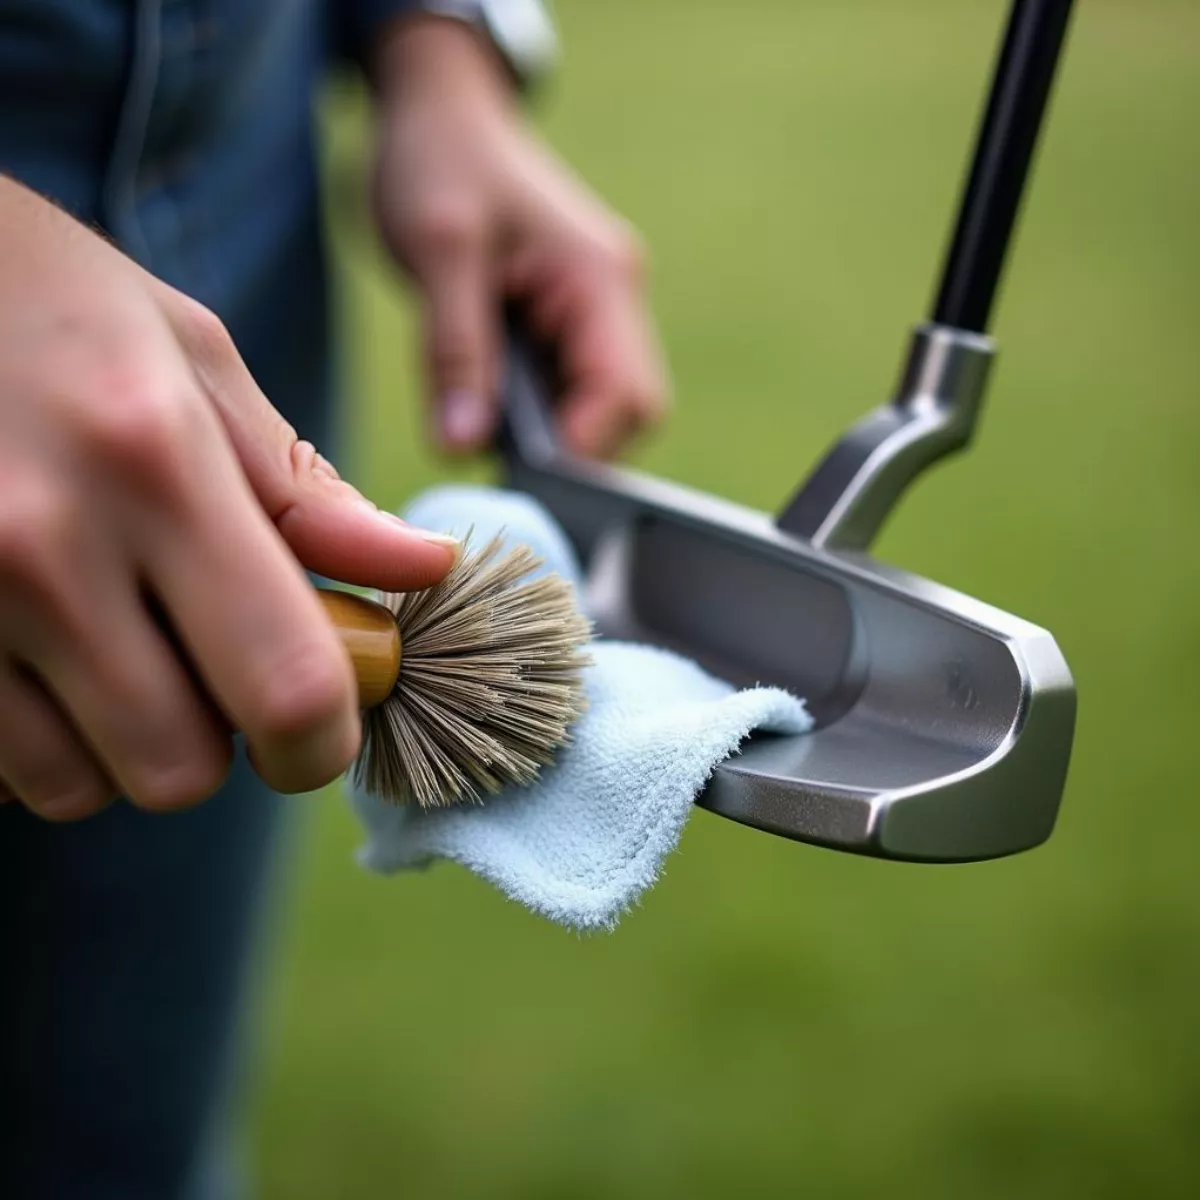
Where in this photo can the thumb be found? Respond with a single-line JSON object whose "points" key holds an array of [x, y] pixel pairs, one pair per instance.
{"points": [[452, 271], [332, 529]]}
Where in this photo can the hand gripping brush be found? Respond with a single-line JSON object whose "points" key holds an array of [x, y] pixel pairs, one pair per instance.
{"points": [[467, 686], [943, 726]]}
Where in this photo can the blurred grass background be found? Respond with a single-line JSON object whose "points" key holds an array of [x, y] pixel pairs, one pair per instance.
{"points": [[778, 1020]]}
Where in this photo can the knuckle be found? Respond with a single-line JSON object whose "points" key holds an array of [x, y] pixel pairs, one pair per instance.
{"points": [[188, 780], [37, 527], [453, 349], [626, 255], [206, 334], [140, 426], [442, 226], [652, 402], [314, 690]]}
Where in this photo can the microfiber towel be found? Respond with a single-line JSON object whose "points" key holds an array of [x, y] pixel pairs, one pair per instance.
{"points": [[583, 843]]}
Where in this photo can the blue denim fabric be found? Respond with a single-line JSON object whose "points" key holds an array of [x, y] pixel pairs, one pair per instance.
{"points": [[183, 128]]}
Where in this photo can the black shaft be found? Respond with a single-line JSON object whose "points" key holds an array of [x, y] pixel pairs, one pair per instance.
{"points": [[1003, 151]]}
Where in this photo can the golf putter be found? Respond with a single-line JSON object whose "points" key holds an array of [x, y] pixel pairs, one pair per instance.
{"points": [[943, 726]]}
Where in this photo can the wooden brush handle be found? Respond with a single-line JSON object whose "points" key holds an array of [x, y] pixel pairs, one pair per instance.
{"points": [[369, 633]]}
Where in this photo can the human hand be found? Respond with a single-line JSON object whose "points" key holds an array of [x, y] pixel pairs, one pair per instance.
{"points": [[147, 485], [479, 211]]}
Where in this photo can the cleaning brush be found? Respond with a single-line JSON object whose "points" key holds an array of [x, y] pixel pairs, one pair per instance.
{"points": [[468, 686]]}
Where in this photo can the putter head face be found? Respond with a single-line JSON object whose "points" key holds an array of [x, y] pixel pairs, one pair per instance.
{"points": [[943, 726]]}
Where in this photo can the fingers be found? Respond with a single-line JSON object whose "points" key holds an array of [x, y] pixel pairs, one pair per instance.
{"points": [[589, 303], [131, 699], [263, 645], [162, 503], [459, 330], [118, 708], [334, 530], [42, 761], [328, 524], [615, 384], [614, 380]]}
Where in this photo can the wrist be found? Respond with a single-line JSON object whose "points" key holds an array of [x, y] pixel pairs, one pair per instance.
{"points": [[427, 54]]}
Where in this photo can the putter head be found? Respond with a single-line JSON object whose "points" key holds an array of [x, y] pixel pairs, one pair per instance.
{"points": [[943, 725]]}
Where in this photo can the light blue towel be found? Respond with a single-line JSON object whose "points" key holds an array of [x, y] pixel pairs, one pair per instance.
{"points": [[582, 844]]}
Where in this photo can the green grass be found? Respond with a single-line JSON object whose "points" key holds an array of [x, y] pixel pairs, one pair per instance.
{"points": [[777, 1020]]}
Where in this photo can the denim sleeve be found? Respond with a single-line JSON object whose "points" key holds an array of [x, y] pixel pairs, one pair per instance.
{"points": [[356, 22]]}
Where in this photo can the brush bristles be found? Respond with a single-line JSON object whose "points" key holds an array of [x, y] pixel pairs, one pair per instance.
{"points": [[491, 680]]}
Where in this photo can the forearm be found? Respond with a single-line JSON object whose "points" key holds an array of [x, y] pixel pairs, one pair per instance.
{"points": [[385, 36]]}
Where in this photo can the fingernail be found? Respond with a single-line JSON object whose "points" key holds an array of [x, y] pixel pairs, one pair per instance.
{"points": [[426, 535], [71, 807], [466, 418], [440, 539], [57, 810]]}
